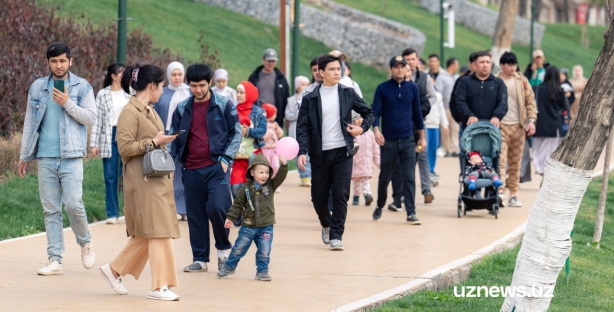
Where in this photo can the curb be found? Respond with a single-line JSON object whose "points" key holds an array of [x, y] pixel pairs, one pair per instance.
{"points": [[441, 277], [446, 275]]}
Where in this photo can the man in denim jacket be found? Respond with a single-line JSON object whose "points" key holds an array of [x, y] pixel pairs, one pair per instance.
{"points": [[55, 134]]}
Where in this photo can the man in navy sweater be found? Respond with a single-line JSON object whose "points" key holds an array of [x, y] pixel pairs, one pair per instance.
{"points": [[397, 102]]}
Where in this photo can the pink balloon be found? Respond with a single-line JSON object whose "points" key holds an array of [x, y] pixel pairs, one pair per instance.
{"points": [[288, 147]]}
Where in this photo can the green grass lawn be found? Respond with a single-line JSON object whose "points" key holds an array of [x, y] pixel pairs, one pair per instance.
{"points": [[21, 209], [561, 42], [591, 282], [240, 39], [22, 212]]}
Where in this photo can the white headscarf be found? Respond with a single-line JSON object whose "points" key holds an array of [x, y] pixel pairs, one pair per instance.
{"points": [[181, 93], [220, 73]]}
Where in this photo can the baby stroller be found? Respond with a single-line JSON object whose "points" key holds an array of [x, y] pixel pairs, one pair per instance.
{"points": [[485, 138]]}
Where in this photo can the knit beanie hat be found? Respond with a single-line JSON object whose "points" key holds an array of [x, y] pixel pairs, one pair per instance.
{"points": [[270, 109], [474, 153]]}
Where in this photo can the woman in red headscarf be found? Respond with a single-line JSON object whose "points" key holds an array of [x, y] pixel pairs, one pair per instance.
{"points": [[253, 124]]}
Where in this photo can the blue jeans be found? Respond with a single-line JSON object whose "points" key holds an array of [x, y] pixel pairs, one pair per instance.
{"points": [[60, 181], [262, 236], [112, 169], [304, 173], [234, 189], [432, 144]]}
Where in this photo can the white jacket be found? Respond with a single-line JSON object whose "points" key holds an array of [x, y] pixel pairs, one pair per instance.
{"points": [[437, 116]]}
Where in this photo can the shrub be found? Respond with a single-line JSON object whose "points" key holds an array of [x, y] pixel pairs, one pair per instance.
{"points": [[22, 54]]}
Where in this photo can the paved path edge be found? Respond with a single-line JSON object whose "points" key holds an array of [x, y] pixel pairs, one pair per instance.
{"points": [[452, 273]]}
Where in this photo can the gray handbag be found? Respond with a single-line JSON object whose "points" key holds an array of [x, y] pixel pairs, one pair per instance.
{"points": [[157, 163]]}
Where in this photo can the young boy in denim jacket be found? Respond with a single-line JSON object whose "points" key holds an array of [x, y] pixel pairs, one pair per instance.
{"points": [[256, 206]]}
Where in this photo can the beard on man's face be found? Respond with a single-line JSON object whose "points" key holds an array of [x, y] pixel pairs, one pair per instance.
{"points": [[58, 73]]}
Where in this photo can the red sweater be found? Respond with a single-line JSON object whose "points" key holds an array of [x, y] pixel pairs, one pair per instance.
{"points": [[199, 154]]}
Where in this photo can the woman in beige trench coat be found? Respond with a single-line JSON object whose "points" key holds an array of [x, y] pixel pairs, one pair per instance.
{"points": [[149, 205]]}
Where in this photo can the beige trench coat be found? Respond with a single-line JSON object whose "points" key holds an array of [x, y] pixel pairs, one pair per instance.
{"points": [[149, 206]]}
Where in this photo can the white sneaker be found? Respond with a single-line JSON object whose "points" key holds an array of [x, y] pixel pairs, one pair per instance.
{"points": [[514, 202], [163, 294], [112, 220], [88, 255], [501, 199], [51, 268], [115, 283]]}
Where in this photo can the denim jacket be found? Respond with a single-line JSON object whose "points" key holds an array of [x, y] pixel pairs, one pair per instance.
{"points": [[78, 113], [258, 118]]}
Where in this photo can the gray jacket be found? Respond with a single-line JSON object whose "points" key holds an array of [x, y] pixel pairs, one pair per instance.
{"points": [[444, 85], [78, 113]]}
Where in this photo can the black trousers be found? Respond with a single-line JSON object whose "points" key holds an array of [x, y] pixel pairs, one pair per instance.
{"points": [[334, 172], [402, 151]]}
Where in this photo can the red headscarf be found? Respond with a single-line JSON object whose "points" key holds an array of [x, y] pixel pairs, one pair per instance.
{"points": [[245, 108]]}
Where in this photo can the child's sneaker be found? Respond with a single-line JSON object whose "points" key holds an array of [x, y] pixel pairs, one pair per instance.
{"points": [[220, 262], [471, 186], [355, 200], [225, 272], [497, 182], [368, 199], [263, 276], [306, 182]]}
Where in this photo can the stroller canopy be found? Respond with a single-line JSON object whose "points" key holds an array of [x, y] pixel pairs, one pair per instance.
{"points": [[483, 137]]}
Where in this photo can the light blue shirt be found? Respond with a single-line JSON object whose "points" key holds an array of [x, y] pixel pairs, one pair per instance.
{"points": [[49, 135]]}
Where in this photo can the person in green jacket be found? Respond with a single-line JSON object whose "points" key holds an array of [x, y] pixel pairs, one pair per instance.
{"points": [[255, 204]]}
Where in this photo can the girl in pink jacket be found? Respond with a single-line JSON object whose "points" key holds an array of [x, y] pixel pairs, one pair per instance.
{"points": [[273, 134], [362, 171]]}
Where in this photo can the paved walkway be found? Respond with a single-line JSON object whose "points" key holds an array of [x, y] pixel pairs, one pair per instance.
{"points": [[306, 275]]}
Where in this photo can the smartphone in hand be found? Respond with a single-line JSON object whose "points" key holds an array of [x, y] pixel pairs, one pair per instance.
{"points": [[177, 132], [59, 84]]}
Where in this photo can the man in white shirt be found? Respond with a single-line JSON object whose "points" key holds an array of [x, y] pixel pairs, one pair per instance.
{"points": [[324, 130]]}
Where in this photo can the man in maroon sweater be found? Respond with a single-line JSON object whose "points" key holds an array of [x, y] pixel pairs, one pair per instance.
{"points": [[206, 151]]}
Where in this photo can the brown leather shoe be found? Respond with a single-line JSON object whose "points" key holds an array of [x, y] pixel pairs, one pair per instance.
{"points": [[428, 197]]}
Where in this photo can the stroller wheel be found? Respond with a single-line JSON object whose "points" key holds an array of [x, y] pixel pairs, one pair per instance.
{"points": [[460, 206], [495, 211], [435, 183]]}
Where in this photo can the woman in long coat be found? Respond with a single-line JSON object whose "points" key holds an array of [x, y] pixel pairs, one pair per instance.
{"points": [[149, 205], [551, 102], [173, 94]]}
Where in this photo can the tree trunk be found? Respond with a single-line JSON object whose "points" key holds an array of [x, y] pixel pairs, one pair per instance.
{"points": [[538, 9], [502, 41], [524, 10], [547, 242], [604, 193]]}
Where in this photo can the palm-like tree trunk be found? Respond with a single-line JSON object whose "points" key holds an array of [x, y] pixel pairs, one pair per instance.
{"points": [[547, 242]]}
